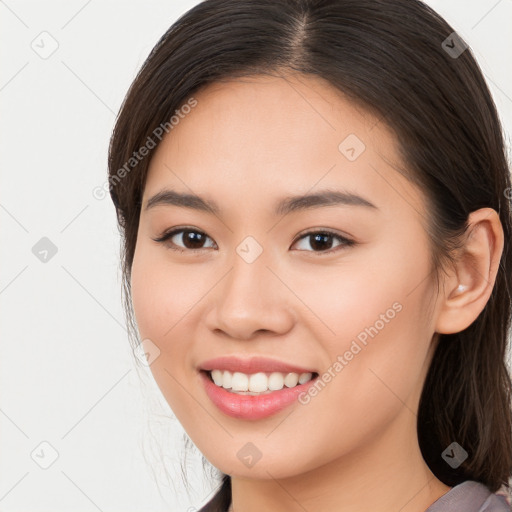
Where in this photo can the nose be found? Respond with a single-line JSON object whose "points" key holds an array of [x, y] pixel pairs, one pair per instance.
{"points": [[251, 299]]}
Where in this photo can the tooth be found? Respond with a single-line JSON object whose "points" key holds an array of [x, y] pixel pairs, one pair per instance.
{"points": [[305, 377], [275, 381], [240, 382], [291, 380], [258, 382], [226, 380], [217, 377]]}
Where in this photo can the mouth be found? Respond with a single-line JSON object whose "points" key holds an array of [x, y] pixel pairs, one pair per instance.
{"points": [[252, 397], [260, 383]]}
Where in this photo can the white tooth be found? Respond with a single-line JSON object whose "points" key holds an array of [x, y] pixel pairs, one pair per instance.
{"points": [[226, 379], [305, 377], [291, 380], [240, 382], [275, 381], [217, 377], [258, 382]]}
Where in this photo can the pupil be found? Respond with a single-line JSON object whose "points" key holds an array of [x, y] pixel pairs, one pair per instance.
{"points": [[317, 238], [193, 236]]}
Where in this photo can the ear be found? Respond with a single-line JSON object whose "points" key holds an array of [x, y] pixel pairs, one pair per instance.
{"points": [[467, 289]]}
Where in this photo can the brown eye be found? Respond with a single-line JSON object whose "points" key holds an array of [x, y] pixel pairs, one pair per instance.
{"points": [[191, 239], [321, 241]]}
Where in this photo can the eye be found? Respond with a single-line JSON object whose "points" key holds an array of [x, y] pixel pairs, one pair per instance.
{"points": [[322, 239], [193, 240], [191, 237]]}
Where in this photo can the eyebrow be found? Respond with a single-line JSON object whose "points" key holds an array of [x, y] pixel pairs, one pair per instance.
{"points": [[283, 207]]}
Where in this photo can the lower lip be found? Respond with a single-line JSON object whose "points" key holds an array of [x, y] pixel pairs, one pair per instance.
{"points": [[252, 407]]}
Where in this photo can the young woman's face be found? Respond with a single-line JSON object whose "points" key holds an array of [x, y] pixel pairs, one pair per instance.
{"points": [[357, 305]]}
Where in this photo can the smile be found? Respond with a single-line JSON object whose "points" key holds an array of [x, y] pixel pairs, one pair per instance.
{"points": [[252, 397], [257, 383]]}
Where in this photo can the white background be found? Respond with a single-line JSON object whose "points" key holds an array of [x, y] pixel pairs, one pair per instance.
{"points": [[67, 373]]}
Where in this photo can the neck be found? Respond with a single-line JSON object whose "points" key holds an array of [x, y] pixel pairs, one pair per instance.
{"points": [[386, 474]]}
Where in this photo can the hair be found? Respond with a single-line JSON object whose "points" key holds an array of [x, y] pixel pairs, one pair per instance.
{"points": [[387, 57]]}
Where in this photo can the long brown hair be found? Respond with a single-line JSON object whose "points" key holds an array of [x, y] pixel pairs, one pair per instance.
{"points": [[401, 61]]}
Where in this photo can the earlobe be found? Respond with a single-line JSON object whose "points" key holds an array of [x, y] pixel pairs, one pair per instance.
{"points": [[467, 291]]}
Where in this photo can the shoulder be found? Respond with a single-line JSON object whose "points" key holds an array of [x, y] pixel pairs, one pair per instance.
{"points": [[470, 496], [495, 503]]}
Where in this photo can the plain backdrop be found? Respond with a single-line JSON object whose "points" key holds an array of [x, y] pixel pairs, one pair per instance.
{"points": [[82, 429]]}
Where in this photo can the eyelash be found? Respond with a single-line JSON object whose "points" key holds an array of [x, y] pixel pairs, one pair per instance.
{"points": [[170, 233]]}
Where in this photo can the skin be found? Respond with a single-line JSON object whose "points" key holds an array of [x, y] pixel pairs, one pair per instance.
{"points": [[248, 143]]}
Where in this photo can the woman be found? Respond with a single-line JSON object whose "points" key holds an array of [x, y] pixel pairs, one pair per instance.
{"points": [[314, 200]]}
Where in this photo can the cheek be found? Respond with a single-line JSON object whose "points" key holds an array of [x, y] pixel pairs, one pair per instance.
{"points": [[162, 297], [375, 328], [383, 362], [369, 383], [162, 293]]}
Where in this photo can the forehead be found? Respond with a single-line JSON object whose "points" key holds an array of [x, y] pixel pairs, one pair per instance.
{"points": [[273, 113], [259, 136]]}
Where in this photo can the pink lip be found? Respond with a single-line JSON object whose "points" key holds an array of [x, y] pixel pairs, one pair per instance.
{"points": [[252, 365], [252, 407]]}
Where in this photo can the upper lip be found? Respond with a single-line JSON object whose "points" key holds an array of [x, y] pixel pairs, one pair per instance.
{"points": [[251, 365]]}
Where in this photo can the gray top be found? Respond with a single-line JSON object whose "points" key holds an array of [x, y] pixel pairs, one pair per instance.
{"points": [[470, 496]]}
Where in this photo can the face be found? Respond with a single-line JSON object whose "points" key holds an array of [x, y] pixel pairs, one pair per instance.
{"points": [[340, 289]]}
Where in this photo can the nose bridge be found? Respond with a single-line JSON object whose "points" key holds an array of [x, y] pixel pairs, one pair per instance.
{"points": [[250, 297], [247, 286]]}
